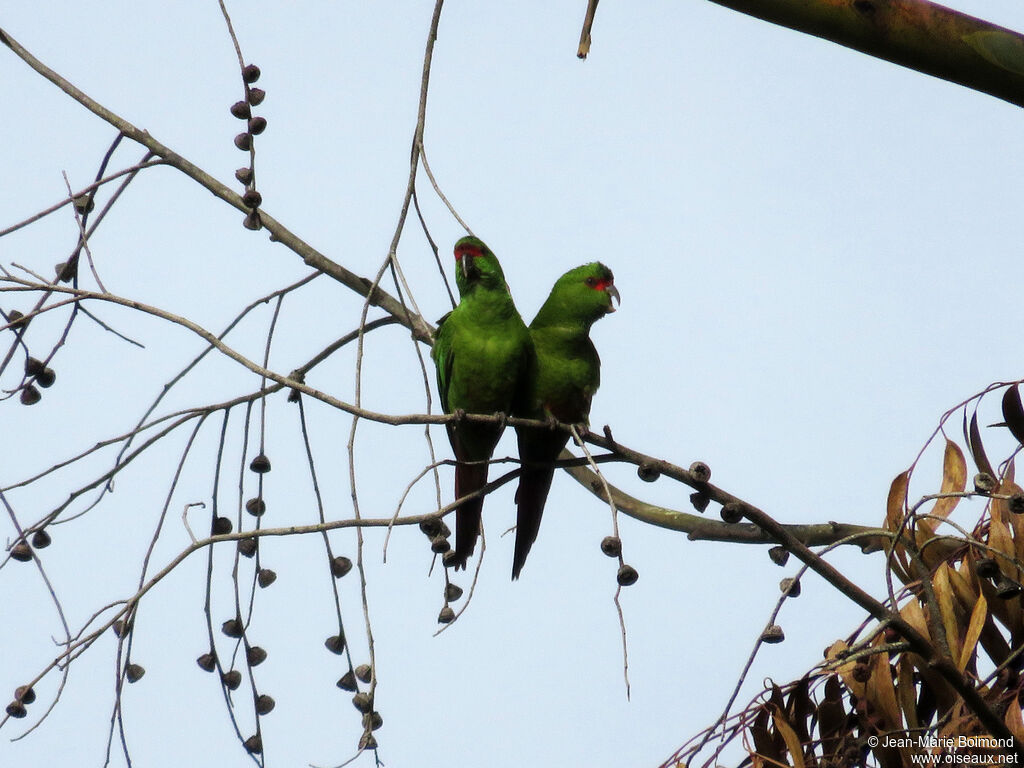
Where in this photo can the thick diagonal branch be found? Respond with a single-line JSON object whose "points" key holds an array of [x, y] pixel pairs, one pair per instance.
{"points": [[912, 33]]}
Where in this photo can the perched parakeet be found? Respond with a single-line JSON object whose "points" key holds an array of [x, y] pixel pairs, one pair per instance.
{"points": [[566, 374], [483, 354]]}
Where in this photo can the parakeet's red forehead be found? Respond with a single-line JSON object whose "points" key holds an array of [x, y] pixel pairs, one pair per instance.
{"points": [[468, 249]]}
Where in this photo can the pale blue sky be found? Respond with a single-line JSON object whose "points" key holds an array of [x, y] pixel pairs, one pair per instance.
{"points": [[818, 254]]}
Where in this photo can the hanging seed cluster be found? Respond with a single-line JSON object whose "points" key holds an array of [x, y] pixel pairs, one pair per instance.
{"points": [[246, 142]]}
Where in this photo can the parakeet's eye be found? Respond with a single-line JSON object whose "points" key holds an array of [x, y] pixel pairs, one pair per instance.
{"points": [[591, 281]]}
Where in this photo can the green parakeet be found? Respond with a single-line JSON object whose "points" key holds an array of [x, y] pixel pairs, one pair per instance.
{"points": [[483, 354], [565, 377]]}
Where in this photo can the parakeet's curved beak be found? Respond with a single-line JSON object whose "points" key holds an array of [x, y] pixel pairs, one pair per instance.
{"points": [[612, 292]]}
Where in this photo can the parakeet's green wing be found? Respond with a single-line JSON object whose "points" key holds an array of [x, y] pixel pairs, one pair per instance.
{"points": [[442, 354]]}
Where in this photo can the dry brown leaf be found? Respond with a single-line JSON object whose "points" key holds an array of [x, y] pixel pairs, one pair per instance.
{"points": [[999, 539], [793, 745], [1014, 721], [964, 586], [944, 694], [1000, 509], [944, 597], [973, 437], [974, 627], [845, 670], [894, 514], [914, 616], [897, 501], [954, 479], [881, 692], [906, 692], [1013, 413]]}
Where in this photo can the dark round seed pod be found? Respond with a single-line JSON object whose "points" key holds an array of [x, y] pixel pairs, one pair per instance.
{"points": [[221, 526], [232, 679], [367, 741], [64, 271], [790, 587], [439, 545], [431, 526], [25, 694], [446, 616], [335, 644], [445, 530], [14, 316], [773, 634], [362, 702], [134, 672], [240, 109], [452, 592], [987, 568], [1007, 588], [264, 704], [363, 672], [244, 141], [731, 512], [294, 395], [779, 555], [41, 539], [340, 566], [891, 635], [255, 655], [83, 203], [266, 577], [260, 465], [252, 198], [250, 73], [626, 575], [120, 629], [611, 546], [448, 559], [861, 672], [244, 176], [29, 395], [207, 662], [21, 552], [648, 473], [700, 501], [34, 367], [255, 506], [701, 472], [247, 547], [257, 125], [985, 483], [252, 221], [233, 627], [46, 378], [372, 721], [255, 96], [1016, 503], [16, 709], [347, 682], [254, 744]]}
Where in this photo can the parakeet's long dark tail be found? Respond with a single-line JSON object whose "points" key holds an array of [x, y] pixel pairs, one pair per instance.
{"points": [[468, 478], [532, 493]]}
